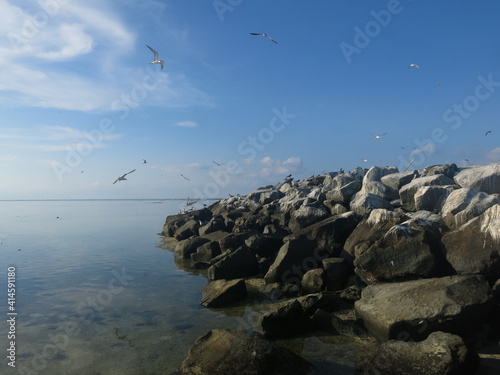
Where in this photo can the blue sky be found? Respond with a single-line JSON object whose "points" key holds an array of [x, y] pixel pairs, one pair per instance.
{"points": [[80, 104]]}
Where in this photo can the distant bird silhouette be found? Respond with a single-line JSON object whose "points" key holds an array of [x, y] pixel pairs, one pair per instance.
{"points": [[377, 136], [290, 175], [267, 36], [144, 161], [155, 58], [439, 84], [185, 177], [488, 132], [217, 164], [414, 66], [122, 178], [402, 147]]}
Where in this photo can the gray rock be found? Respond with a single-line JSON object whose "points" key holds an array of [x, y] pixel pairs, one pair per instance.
{"points": [[305, 216], [292, 262], [378, 188], [238, 264], [363, 204], [344, 193], [186, 247], [397, 180], [221, 293], [215, 224], [376, 173], [440, 354], [314, 281], [475, 246], [408, 250], [411, 310], [265, 195], [206, 252], [483, 178], [189, 229], [449, 170], [407, 192], [432, 198], [230, 352]]}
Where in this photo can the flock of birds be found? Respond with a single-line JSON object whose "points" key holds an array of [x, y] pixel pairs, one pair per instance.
{"points": [[156, 60]]}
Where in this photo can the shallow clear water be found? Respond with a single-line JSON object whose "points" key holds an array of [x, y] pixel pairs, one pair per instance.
{"points": [[94, 293]]}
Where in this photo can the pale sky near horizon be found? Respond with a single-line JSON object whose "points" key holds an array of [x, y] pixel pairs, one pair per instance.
{"points": [[80, 105]]}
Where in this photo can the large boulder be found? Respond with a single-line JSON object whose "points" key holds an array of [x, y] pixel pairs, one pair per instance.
{"points": [[186, 247], [238, 264], [220, 293], [432, 198], [305, 216], [464, 204], [265, 194], [411, 310], [378, 188], [406, 251], [408, 191], [344, 193], [449, 170], [294, 259], [440, 354], [483, 178], [230, 352], [376, 173], [475, 246], [364, 203], [189, 229], [397, 180]]}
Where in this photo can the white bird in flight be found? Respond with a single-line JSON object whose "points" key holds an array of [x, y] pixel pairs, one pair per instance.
{"points": [[267, 36], [413, 65], [378, 136], [122, 178], [155, 58]]}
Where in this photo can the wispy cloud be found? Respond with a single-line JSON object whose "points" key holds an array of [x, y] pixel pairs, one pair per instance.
{"points": [[75, 55], [187, 124]]}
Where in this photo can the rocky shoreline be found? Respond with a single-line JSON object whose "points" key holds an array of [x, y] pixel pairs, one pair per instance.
{"points": [[407, 261]]}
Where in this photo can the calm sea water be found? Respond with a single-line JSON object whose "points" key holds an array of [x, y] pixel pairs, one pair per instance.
{"points": [[94, 292], [96, 295]]}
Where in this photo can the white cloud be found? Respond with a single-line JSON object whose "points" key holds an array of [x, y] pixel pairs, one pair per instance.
{"points": [[75, 55], [187, 124]]}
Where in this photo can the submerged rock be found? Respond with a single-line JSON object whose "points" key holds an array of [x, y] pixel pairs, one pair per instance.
{"points": [[230, 352]]}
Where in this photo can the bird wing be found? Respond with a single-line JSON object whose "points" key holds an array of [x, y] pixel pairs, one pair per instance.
{"points": [[272, 40], [383, 134], [162, 64], [155, 53], [133, 170], [258, 34]]}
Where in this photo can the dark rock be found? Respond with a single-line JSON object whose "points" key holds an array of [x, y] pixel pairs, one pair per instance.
{"points": [[483, 178], [217, 223], [411, 310], [407, 192], [230, 352], [238, 264], [408, 250], [314, 281], [336, 273], [221, 293], [189, 229], [206, 252], [186, 247], [294, 259], [286, 321], [475, 246], [234, 241], [440, 354], [339, 323], [264, 245]]}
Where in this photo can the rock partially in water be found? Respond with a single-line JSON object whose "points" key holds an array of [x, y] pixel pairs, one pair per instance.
{"points": [[231, 352], [221, 293], [440, 354]]}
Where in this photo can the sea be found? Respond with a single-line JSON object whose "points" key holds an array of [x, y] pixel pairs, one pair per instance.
{"points": [[85, 288]]}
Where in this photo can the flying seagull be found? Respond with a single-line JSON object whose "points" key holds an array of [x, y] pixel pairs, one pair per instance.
{"points": [[377, 136], [155, 58], [365, 159], [122, 178], [413, 65], [488, 132], [144, 161], [439, 84], [267, 36], [185, 177], [217, 164]]}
